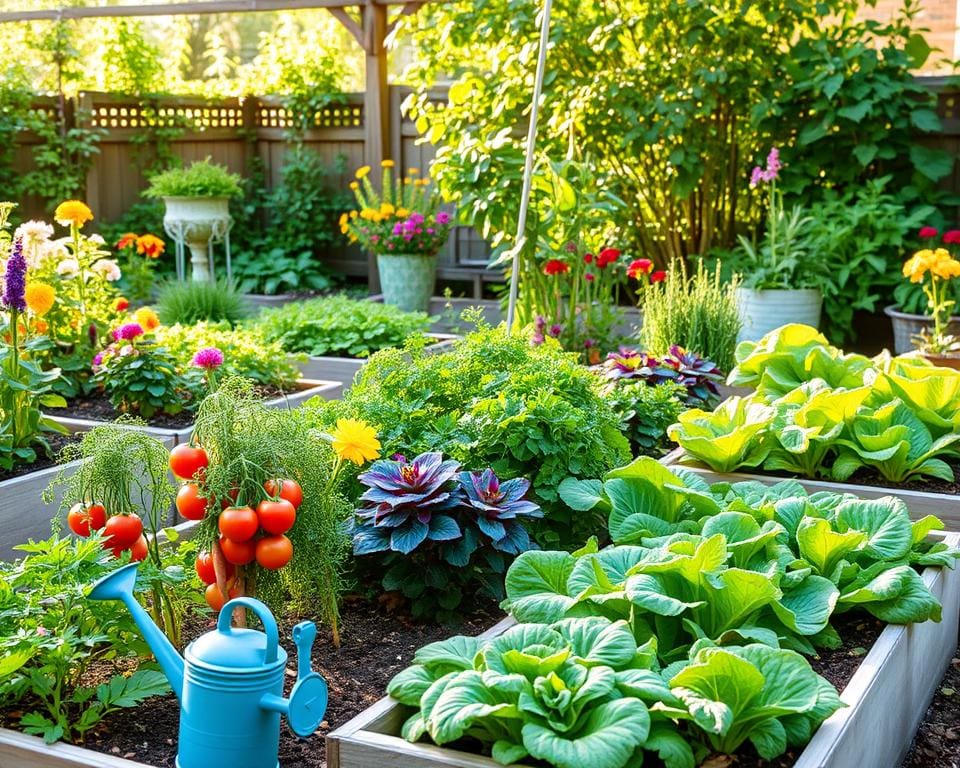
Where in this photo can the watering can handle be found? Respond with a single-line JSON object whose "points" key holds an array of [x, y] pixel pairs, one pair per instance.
{"points": [[266, 618]]}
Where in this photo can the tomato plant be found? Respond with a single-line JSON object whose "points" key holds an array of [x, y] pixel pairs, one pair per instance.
{"points": [[122, 531], [238, 552], [214, 596], [82, 518], [276, 516], [206, 571], [238, 523], [187, 460], [288, 489], [273, 552], [190, 504]]}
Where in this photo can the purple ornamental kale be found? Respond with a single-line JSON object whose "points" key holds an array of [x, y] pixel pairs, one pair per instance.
{"points": [[497, 506], [698, 375], [405, 504], [15, 279]]}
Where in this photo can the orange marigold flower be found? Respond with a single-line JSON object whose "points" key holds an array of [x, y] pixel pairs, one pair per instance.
{"points": [[147, 318], [150, 246], [73, 212], [40, 297], [128, 239]]}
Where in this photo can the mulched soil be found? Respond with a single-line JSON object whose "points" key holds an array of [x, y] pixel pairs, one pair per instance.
{"points": [[937, 743], [97, 407], [930, 484], [375, 645], [57, 443]]}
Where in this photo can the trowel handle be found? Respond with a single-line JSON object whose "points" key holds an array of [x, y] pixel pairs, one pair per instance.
{"points": [[304, 634]]}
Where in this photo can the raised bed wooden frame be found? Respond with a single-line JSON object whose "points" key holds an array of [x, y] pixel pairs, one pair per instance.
{"points": [[306, 388]]}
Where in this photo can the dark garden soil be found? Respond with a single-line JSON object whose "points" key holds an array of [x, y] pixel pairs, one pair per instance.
{"points": [[375, 645], [97, 407], [937, 743], [57, 443], [929, 484]]}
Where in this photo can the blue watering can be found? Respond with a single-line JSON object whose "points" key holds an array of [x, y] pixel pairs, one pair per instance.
{"points": [[230, 683]]}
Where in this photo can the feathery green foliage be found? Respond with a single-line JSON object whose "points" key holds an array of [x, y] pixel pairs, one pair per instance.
{"points": [[192, 302]]}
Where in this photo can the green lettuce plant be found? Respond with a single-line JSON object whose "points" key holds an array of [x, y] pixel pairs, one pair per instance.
{"points": [[736, 434]]}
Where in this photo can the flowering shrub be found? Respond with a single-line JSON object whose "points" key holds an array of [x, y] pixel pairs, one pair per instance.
{"points": [[910, 296], [24, 387], [436, 530], [402, 217], [141, 253], [935, 269]]}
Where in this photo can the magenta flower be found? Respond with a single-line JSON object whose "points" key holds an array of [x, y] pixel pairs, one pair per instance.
{"points": [[771, 172], [443, 218], [208, 358], [556, 329], [98, 360], [128, 332], [756, 176]]}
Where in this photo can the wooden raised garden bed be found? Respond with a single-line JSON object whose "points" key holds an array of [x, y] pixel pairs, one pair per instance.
{"points": [[946, 506], [306, 388], [886, 700], [345, 369]]}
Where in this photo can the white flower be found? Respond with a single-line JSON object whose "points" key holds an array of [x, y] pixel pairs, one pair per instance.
{"points": [[55, 250], [107, 269], [34, 232], [68, 268], [98, 239]]}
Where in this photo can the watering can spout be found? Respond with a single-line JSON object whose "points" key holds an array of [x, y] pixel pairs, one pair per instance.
{"points": [[119, 586]]}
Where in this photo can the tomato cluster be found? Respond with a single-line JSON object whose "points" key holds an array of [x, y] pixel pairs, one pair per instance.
{"points": [[121, 532], [247, 535]]}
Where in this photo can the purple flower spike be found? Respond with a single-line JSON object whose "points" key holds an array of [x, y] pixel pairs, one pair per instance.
{"points": [[208, 358], [756, 176], [128, 332], [15, 279]]}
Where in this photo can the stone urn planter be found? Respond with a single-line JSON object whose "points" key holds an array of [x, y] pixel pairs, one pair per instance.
{"points": [[906, 326], [407, 280], [196, 222], [764, 310]]}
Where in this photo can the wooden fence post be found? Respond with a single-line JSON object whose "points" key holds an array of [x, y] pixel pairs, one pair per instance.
{"points": [[82, 117]]}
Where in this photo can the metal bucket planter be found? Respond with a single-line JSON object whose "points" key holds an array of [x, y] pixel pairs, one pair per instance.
{"points": [[762, 311], [407, 280], [906, 326]]}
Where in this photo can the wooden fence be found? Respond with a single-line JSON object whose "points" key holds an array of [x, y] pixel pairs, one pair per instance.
{"points": [[234, 131]]}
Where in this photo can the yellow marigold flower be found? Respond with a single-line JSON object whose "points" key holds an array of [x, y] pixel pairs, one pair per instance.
{"points": [[344, 218], [387, 163], [150, 246], [402, 213], [147, 318], [946, 268], [41, 326], [387, 209], [413, 171], [363, 171], [40, 297], [354, 186], [73, 212], [355, 441], [918, 265], [354, 214], [128, 239]]}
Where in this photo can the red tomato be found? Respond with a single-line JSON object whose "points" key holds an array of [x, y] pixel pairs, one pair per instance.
{"points": [[274, 552], [81, 518], [206, 571], [231, 498], [187, 460], [214, 596], [276, 516], [190, 504], [289, 490], [122, 531], [139, 549], [238, 552], [238, 523]]}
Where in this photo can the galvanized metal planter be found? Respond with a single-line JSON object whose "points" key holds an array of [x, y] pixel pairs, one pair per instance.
{"points": [[886, 700], [306, 388]]}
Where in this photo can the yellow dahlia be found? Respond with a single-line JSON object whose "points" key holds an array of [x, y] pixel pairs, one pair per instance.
{"points": [[73, 212], [355, 441], [147, 318]]}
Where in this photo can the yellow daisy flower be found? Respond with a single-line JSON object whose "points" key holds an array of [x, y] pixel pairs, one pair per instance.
{"points": [[355, 441], [73, 212], [363, 171], [387, 163]]}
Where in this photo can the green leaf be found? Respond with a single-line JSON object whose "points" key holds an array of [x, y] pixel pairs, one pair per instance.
{"points": [[885, 521], [583, 495], [807, 607], [823, 547], [925, 120], [895, 595], [598, 641], [463, 700], [455, 653], [536, 586], [409, 685], [935, 164], [11, 662]]}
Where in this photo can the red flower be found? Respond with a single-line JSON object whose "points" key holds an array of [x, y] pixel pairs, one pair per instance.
{"points": [[952, 237], [928, 232], [121, 305], [126, 241], [555, 267], [588, 258], [606, 256], [590, 277], [639, 267], [658, 277]]}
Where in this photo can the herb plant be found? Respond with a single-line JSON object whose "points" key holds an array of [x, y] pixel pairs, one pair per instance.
{"points": [[193, 302], [338, 326], [201, 179], [646, 413]]}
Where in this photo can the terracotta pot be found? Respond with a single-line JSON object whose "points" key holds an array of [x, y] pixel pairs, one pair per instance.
{"points": [[945, 361]]}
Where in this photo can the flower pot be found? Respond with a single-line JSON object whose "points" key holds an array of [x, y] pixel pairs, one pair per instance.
{"points": [[945, 361], [407, 280], [762, 311], [195, 221], [906, 326]]}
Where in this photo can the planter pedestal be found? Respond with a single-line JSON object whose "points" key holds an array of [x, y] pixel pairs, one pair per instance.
{"points": [[198, 223]]}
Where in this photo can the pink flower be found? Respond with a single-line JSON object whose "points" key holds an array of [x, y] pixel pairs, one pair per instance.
{"points": [[952, 237], [97, 360], [589, 277], [538, 339], [588, 258], [928, 233], [442, 218], [128, 332], [556, 329], [756, 176], [208, 358], [639, 267]]}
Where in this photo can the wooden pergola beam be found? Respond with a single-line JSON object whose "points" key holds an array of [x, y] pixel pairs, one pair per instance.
{"points": [[196, 7]]}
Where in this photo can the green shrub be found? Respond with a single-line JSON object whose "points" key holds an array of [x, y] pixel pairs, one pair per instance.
{"points": [[245, 352], [339, 326], [493, 400], [697, 312], [202, 179], [194, 302], [646, 412]]}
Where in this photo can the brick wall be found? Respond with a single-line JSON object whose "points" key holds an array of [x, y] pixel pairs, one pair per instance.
{"points": [[939, 16]]}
